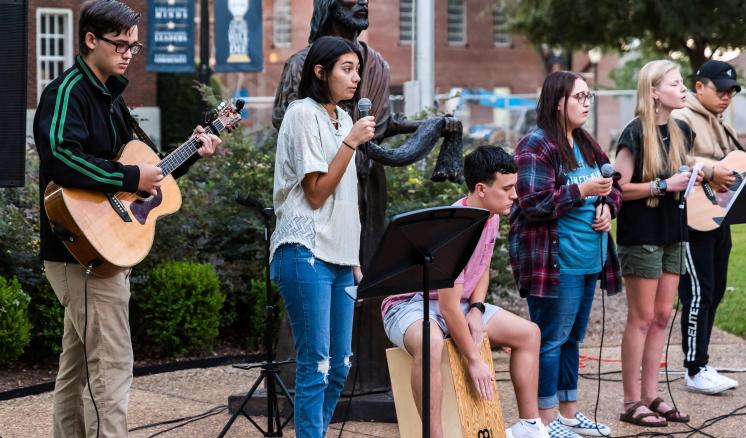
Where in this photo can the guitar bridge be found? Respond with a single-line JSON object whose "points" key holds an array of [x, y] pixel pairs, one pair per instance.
{"points": [[118, 207], [709, 193]]}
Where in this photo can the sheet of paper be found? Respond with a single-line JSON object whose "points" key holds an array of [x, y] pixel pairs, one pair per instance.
{"points": [[692, 179]]}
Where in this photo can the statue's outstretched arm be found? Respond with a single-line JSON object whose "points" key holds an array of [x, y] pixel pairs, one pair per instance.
{"points": [[417, 147], [400, 124]]}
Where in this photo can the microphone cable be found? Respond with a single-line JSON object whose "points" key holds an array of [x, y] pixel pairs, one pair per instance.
{"points": [[603, 322], [358, 306], [88, 270]]}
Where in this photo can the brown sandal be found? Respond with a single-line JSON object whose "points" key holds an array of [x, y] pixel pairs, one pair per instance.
{"points": [[672, 415], [629, 417]]}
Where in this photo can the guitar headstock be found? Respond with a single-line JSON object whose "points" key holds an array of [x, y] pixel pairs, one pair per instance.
{"points": [[228, 115]]}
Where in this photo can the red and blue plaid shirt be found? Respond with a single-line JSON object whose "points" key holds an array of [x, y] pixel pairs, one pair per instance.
{"points": [[533, 242]]}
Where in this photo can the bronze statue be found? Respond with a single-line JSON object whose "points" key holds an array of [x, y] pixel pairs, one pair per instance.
{"points": [[347, 18]]}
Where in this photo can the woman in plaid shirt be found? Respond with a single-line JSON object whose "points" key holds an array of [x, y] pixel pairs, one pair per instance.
{"points": [[559, 241]]}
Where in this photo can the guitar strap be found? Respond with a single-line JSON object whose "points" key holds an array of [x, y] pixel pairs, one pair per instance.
{"points": [[733, 137], [138, 131]]}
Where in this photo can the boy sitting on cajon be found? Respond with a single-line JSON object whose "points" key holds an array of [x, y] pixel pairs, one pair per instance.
{"points": [[460, 311]]}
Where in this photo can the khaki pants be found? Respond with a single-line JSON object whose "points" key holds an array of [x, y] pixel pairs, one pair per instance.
{"points": [[108, 347]]}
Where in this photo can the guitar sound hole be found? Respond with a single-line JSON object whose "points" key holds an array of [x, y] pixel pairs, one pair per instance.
{"points": [[143, 195]]}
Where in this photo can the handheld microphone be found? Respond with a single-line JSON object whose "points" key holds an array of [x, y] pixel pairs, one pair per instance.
{"points": [[607, 171], [363, 106]]}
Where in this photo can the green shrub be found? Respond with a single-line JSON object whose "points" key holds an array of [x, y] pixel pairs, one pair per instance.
{"points": [[257, 290], [46, 316], [14, 325], [179, 99], [212, 228], [180, 307], [19, 228]]}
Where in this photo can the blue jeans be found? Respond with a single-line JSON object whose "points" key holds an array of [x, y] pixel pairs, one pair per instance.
{"points": [[321, 320], [562, 321]]}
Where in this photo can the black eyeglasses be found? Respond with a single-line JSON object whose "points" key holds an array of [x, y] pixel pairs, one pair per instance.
{"points": [[122, 48], [721, 94], [584, 97]]}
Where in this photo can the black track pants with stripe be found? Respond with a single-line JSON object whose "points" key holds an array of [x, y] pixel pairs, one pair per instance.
{"points": [[701, 291]]}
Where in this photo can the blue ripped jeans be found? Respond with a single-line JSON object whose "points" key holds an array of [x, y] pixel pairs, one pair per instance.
{"points": [[320, 314]]}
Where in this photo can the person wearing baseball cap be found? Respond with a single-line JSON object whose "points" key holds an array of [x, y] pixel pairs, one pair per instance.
{"points": [[702, 288]]}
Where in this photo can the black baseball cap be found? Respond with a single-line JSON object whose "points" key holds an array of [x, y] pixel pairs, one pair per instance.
{"points": [[722, 74]]}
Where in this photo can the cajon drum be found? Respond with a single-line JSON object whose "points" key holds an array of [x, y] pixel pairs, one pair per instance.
{"points": [[464, 412]]}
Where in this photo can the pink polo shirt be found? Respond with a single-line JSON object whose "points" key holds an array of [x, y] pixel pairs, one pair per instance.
{"points": [[473, 271]]}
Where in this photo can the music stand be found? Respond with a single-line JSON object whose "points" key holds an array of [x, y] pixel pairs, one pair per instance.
{"points": [[421, 250], [735, 211]]}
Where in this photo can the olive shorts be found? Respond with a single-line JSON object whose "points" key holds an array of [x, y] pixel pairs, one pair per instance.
{"points": [[650, 261]]}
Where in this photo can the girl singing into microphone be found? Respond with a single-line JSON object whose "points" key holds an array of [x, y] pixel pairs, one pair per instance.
{"points": [[314, 248], [651, 230], [559, 242]]}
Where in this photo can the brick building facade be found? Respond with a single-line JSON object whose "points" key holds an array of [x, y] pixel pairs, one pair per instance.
{"points": [[471, 51]]}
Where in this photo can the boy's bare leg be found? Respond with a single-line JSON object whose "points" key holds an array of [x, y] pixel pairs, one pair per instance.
{"points": [[524, 339]]}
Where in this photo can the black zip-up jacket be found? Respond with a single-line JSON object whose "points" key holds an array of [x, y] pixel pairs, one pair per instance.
{"points": [[80, 127]]}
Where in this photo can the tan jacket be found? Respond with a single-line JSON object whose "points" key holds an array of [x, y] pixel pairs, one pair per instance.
{"points": [[710, 141]]}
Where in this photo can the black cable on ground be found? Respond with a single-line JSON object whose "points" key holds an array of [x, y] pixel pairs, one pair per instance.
{"points": [[211, 411]]}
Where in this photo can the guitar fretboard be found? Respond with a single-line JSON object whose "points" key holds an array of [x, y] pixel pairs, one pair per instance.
{"points": [[186, 150]]}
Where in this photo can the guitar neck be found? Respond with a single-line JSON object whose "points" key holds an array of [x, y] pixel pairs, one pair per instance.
{"points": [[181, 154]]}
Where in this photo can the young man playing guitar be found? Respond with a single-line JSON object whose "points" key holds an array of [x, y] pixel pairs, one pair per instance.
{"points": [[703, 286], [81, 124]]}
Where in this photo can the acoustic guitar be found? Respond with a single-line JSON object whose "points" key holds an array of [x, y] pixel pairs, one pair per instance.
{"points": [[113, 231], [706, 207]]}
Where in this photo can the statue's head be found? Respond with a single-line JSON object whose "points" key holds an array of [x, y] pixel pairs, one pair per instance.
{"points": [[350, 14]]}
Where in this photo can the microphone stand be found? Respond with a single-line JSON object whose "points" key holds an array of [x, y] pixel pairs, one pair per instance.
{"points": [[270, 368]]}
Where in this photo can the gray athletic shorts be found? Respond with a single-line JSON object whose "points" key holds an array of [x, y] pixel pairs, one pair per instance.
{"points": [[401, 316]]}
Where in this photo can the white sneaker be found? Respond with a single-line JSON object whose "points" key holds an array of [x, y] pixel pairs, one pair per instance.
{"points": [[557, 430], [726, 379], [706, 382], [526, 429], [583, 425]]}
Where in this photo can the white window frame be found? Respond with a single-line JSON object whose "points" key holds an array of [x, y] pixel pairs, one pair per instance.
{"points": [[499, 10], [406, 21], [66, 58], [461, 43], [283, 16]]}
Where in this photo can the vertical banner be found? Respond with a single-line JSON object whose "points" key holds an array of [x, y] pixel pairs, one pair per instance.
{"points": [[238, 35], [170, 36]]}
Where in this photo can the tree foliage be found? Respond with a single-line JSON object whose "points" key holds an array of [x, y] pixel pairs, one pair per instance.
{"points": [[694, 28]]}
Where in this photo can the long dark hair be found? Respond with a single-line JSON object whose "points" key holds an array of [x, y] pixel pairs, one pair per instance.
{"points": [[325, 52], [557, 85]]}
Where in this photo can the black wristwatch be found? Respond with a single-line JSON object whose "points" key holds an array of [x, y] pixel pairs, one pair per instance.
{"points": [[479, 306]]}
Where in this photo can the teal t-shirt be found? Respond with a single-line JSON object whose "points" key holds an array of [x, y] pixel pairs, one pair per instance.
{"points": [[579, 244]]}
